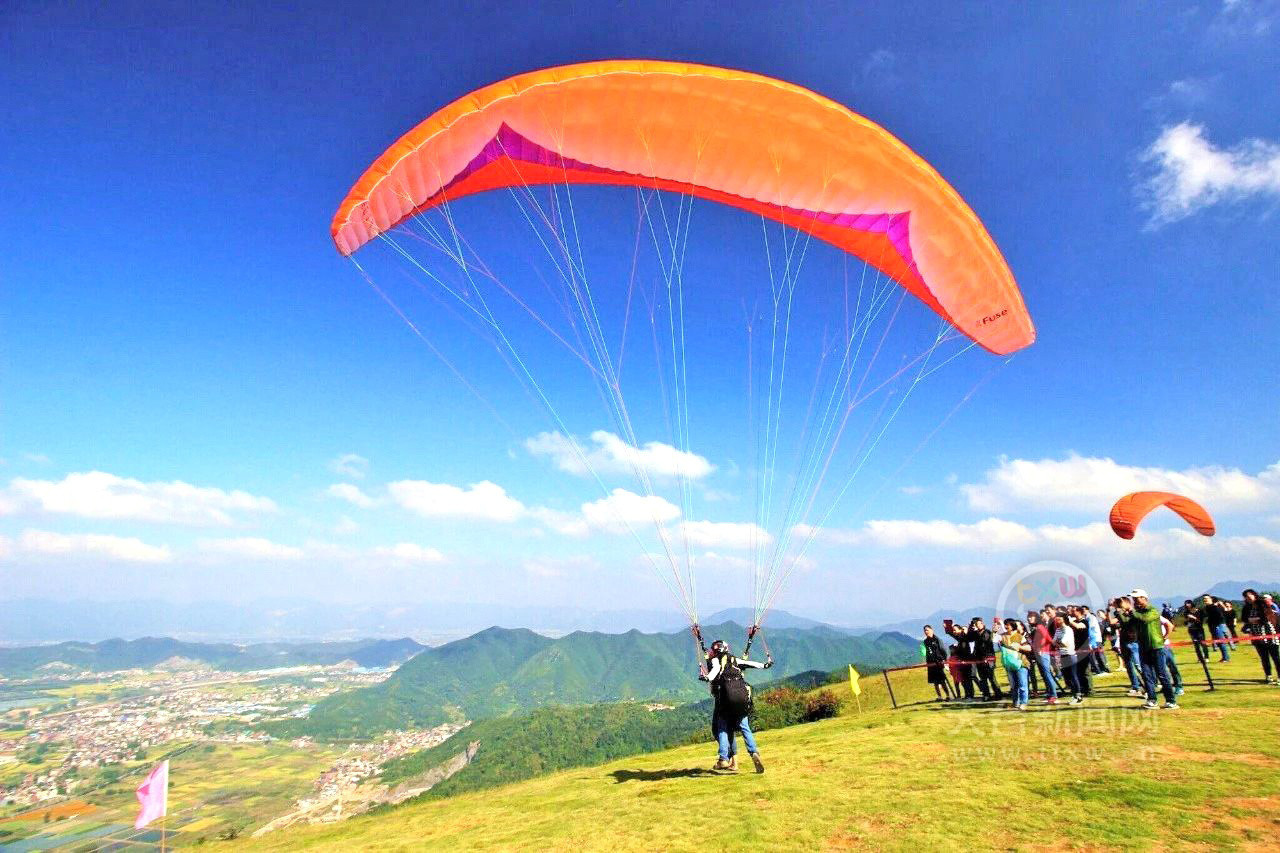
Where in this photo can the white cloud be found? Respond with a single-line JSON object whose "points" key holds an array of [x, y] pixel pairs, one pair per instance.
{"points": [[351, 494], [36, 458], [250, 548], [1092, 484], [350, 465], [725, 534], [551, 568], [96, 494], [623, 509], [1191, 173], [912, 490], [345, 526], [410, 552], [1246, 18], [123, 549], [714, 561], [612, 455], [1096, 540], [992, 533], [483, 500]]}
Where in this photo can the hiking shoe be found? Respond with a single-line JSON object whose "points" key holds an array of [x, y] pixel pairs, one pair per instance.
{"points": [[733, 764], [1136, 694], [721, 764], [1076, 700], [755, 759], [1170, 706], [1149, 706], [1178, 692]]}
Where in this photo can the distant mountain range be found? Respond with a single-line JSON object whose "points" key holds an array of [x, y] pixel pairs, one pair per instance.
{"points": [[150, 652], [500, 671], [29, 621]]}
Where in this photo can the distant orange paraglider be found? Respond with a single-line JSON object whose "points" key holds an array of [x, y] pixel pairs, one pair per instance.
{"points": [[1129, 511]]}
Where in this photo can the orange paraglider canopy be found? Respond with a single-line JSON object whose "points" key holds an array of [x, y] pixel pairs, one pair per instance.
{"points": [[1129, 511], [741, 139]]}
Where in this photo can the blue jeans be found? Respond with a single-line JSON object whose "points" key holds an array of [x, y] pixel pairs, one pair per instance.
{"points": [[1017, 684], [1133, 663], [1220, 634], [1172, 664], [1154, 668], [724, 730], [1046, 672]]}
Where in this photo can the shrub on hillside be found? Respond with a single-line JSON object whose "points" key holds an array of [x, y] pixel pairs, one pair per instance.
{"points": [[821, 706], [782, 706]]}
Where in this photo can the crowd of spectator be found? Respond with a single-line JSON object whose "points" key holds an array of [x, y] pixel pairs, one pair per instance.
{"points": [[1057, 651]]}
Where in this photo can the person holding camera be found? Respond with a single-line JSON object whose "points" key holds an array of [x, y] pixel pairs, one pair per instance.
{"points": [[1138, 612], [1216, 621], [935, 656], [984, 654], [1260, 623], [1041, 642], [963, 651], [1129, 653], [1193, 618]]}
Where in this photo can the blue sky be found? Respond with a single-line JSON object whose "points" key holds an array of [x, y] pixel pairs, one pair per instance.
{"points": [[176, 319]]}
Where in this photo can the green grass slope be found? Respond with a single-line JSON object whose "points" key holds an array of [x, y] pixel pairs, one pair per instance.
{"points": [[1104, 775]]}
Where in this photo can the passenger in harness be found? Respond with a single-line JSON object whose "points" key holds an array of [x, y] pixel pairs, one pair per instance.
{"points": [[732, 697]]}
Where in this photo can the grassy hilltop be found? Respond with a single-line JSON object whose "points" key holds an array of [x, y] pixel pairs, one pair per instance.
{"points": [[1104, 775]]}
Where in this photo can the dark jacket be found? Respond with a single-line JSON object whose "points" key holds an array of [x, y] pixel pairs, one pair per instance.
{"points": [[933, 650], [984, 645]]}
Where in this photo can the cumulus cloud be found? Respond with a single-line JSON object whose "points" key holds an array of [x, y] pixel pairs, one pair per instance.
{"points": [[124, 549], [250, 548], [351, 494], [410, 552], [623, 509], [351, 465], [1002, 536], [1188, 172], [483, 500], [98, 495], [611, 455], [725, 534], [1087, 483]]}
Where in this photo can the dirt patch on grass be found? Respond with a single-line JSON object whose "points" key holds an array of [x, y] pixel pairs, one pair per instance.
{"points": [[1254, 821], [1254, 759]]}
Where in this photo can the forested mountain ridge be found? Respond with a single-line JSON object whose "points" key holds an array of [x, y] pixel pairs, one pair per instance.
{"points": [[500, 671]]}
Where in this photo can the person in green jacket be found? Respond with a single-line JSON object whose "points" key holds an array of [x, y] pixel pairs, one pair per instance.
{"points": [[1145, 619]]}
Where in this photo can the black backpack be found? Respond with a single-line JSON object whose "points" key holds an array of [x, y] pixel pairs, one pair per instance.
{"points": [[735, 692]]}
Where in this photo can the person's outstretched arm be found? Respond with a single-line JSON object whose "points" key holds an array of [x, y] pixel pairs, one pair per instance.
{"points": [[714, 671]]}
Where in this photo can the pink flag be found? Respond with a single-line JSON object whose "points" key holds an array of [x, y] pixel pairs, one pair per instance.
{"points": [[153, 795]]}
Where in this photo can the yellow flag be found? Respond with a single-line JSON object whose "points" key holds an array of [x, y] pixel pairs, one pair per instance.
{"points": [[853, 681]]}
